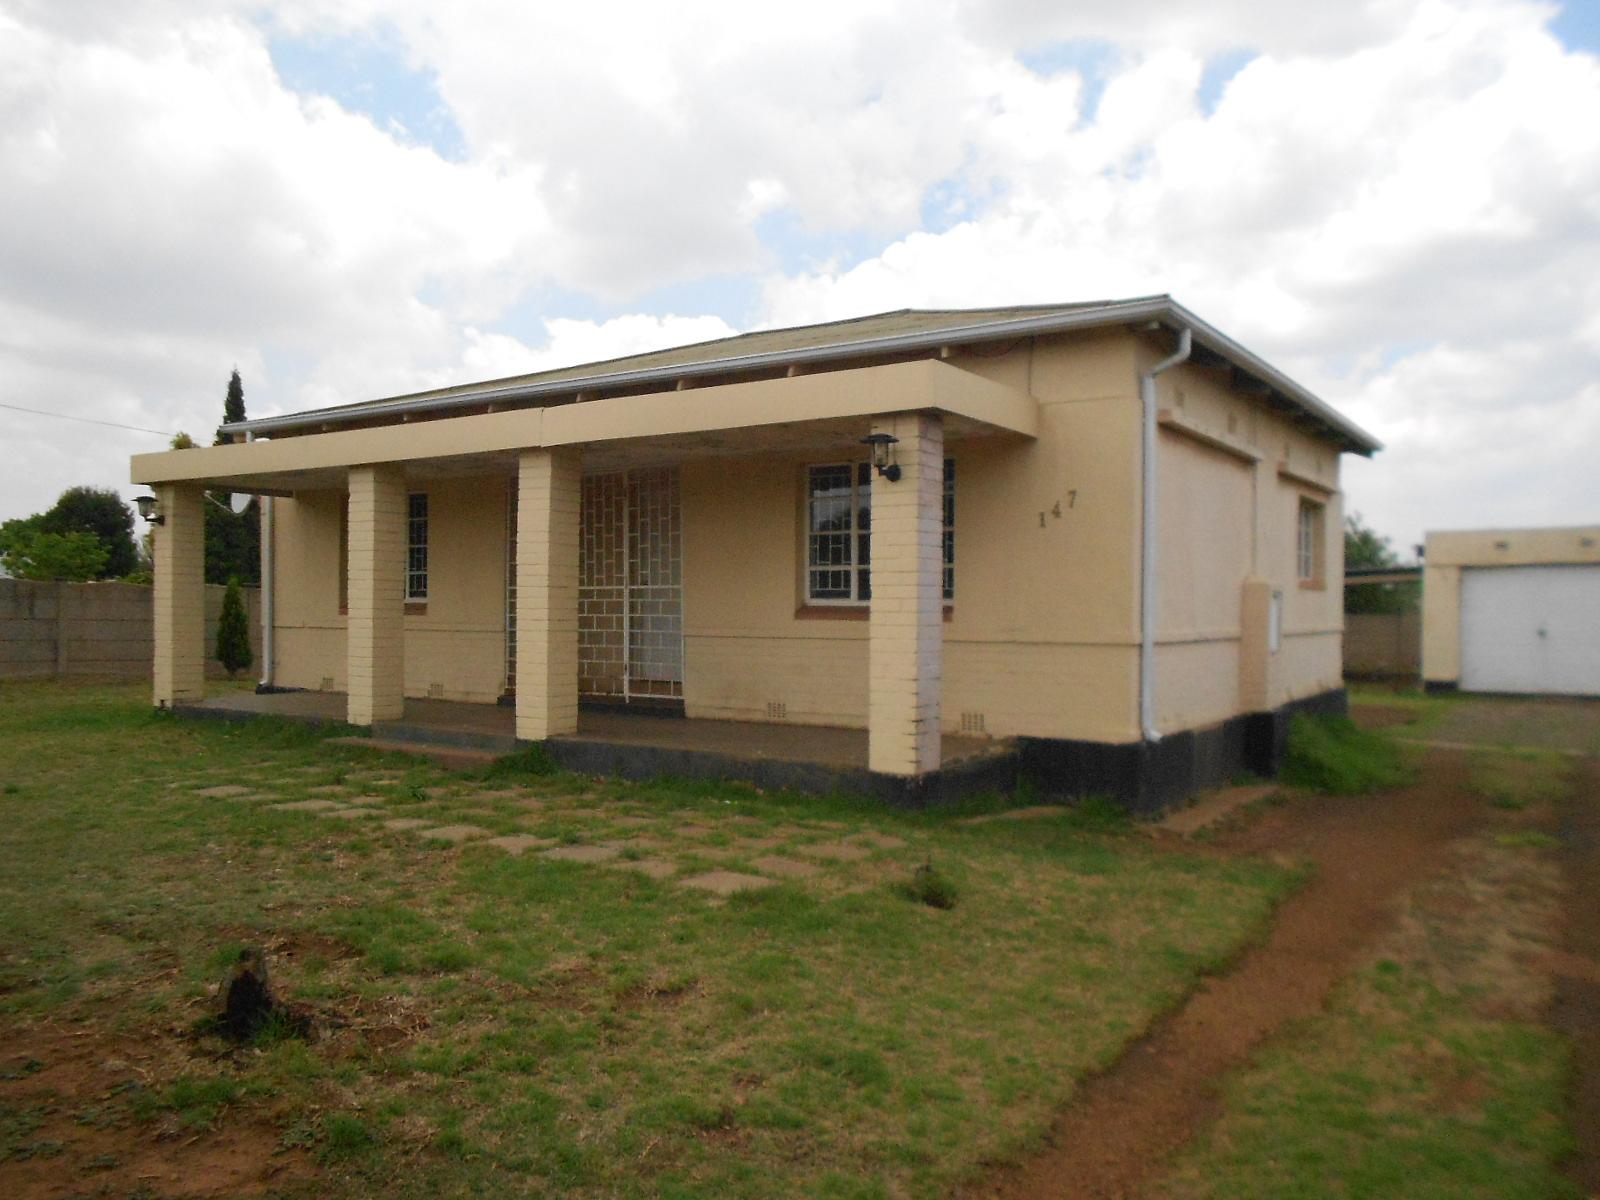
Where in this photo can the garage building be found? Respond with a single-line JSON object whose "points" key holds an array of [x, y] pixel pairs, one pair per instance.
{"points": [[1513, 611]]}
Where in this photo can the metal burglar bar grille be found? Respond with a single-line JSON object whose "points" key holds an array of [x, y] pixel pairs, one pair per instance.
{"points": [[655, 589], [511, 588], [630, 589]]}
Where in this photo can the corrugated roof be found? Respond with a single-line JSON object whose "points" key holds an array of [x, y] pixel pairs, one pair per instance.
{"points": [[901, 331]]}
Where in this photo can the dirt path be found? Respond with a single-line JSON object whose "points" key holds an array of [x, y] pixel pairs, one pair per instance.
{"points": [[1576, 1009], [1368, 852]]}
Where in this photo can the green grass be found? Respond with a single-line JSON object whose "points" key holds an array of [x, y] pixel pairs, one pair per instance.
{"points": [[501, 1025], [1330, 754], [1516, 779]]}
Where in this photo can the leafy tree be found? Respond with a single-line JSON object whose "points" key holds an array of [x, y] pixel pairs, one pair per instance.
{"points": [[100, 513], [1365, 547], [34, 553], [233, 632], [233, 543], [182, 441]]}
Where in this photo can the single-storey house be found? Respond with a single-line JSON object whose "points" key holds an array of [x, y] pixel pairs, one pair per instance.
{"points": [[1515, 611], [1103, 537]]}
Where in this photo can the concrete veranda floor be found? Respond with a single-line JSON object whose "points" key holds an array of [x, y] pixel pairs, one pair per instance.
{"points": [[495, 726]]}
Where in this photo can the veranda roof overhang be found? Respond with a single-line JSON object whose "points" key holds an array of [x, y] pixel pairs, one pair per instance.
{"points": [[768, 416]]}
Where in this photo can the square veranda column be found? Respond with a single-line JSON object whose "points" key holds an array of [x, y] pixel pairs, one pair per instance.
{"points": [[375, 649], [548, 492], [180, 596], [906, 629]]}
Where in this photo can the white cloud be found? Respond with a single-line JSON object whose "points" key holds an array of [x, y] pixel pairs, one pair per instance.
{"points": [[1395, 200]]}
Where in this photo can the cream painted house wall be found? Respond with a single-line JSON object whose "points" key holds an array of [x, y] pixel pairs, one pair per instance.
{"points": [[1042, 637]]}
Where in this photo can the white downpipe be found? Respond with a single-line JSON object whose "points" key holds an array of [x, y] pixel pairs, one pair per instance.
{"points": [[268, 615], [1147, 537]]}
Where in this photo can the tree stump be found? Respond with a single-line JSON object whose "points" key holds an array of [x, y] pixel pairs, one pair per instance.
{"points": [[247, 1001]]}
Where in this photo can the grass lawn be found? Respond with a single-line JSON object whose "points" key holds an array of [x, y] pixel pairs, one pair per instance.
{"points": [[1431, 1074], [495, 1023]]}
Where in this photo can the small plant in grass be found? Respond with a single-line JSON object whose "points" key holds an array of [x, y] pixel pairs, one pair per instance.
{"points": [[1330, 754], [932, 887], [233, 632], [530, 760]]}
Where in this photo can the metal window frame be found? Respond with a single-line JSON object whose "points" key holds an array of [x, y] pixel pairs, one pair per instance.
{"points": [[947, 532], [413, 544]]}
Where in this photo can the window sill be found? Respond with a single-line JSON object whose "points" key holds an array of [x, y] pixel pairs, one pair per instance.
{"points": [[845, 612], [1313, 585], [414, 608]]}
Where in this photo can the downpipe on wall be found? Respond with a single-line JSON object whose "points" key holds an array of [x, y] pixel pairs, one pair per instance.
{"points": [[267, 590], [1147, 537]]}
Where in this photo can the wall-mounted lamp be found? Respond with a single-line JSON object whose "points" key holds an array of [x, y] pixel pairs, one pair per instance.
{"points": [[883, 454], [150, 509]]}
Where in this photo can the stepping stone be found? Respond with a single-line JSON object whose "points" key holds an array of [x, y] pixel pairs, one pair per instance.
{"points": [[582, 854], [329, 789], [655, 868], [637, 842], [631, 822], [305, 806], [346, 814], [882, 841], [530, 805], [452, 833], [436, 793], [726, 883], [693, 831], [760, 843], [224, 791], [515, 843], [499, 794], [785, 868], [365, 800], [834, 851], [405, 823]]}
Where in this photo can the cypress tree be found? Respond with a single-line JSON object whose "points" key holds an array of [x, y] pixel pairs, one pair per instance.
{"points": [[233, 632]]}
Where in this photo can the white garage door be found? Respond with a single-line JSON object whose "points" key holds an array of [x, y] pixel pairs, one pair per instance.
{"points": [[1531, 629]]}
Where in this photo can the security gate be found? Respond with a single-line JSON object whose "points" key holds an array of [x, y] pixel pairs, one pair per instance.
{"points": [[630, 587]]}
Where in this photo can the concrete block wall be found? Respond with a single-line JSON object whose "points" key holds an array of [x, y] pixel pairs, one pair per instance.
{"points": [[51, 630]]}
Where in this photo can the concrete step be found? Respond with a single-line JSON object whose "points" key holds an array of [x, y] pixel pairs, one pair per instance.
{"points": [[435, 735], [1211, 808], [457, 758]]}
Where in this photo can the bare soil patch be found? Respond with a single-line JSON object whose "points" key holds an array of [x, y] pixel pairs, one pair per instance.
{"points": [[1367, 853], [1575, 1009], [65, 1096]]}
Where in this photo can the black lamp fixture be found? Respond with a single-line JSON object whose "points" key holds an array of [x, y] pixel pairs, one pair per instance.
{"points": [[882, 454], [150, 509]]}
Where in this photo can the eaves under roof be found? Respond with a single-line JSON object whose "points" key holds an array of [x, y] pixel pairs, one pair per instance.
{"points": [[905, 331]]}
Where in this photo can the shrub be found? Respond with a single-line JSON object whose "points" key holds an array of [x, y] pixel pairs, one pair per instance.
{"points": [[1330, 754], [932, 887], [233, 632]]}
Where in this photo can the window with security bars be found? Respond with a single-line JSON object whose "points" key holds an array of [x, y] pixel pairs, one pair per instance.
{"points": [[839, 533], [417, 546]]}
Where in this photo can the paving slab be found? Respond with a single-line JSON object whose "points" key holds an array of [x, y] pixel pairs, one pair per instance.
{"points": [[346, 814], [1033, 812], [1210, 807], [631, 822], [760, 843], [655, 868], [726, 883], [305, 806], [453, 833], [515, 843], [693, 830], [405, 823], [497, 794], [225, 791], [329, 789], [366, 800], [785, 868], [834, 851], [880, 841], [582, 854]]}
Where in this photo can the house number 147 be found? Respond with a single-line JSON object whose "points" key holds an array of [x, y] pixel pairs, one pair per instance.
{"points": [[1072, 502]]}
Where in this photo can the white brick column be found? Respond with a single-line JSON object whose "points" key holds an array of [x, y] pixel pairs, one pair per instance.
{"points": [[180, 595], [548, 483], [906, 630], [375, 649]]}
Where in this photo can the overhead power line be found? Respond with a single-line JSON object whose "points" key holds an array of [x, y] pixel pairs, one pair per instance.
{"points": [[39, 412]]}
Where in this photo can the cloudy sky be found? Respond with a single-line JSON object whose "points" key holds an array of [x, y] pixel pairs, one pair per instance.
{"points": [[1395, 201]]}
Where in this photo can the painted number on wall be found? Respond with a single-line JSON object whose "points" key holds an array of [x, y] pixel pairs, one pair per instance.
{"points": [[1056, 510]]}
